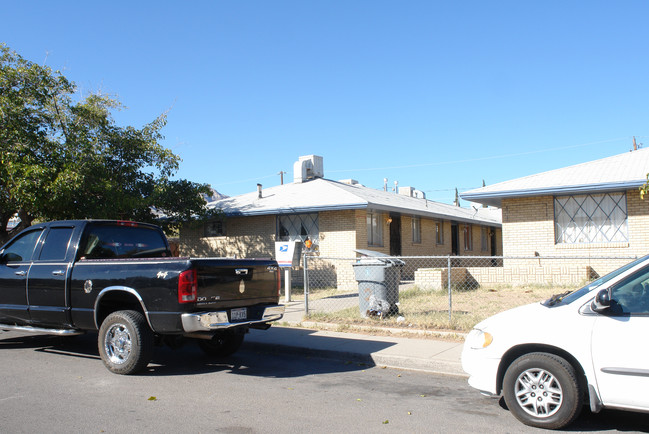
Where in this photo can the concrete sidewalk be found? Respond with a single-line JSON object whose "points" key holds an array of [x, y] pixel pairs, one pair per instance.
{"points": [[430, 355]]}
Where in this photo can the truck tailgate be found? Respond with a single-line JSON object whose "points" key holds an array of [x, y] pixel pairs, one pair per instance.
{"points": [[236, 282]]}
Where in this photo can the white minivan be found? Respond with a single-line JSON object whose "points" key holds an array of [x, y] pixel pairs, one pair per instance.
{"points": [[588, 346]]}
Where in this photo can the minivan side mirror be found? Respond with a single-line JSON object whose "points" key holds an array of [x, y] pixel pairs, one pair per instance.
{"points": [[602, 301]]}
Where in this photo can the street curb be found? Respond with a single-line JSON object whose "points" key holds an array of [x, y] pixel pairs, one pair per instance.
{"points": [[369, 329], [389, 361], [433, 366]]}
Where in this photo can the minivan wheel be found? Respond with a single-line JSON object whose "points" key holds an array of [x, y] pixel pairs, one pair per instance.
{"points": [[542, 390]]}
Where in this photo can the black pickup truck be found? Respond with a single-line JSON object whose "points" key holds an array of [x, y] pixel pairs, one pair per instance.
{"points": [[119, 278]]}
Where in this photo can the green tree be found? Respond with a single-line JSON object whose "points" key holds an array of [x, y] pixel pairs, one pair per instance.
{"points": [[64, 157]]}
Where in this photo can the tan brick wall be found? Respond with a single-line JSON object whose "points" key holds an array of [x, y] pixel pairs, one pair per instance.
{"points": [[340, 233], [528, 226], [247, 237], [338, 239], [437, 278], [428, 245], [528, 230]]}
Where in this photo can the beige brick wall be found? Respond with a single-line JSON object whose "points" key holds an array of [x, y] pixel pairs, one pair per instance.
{"points": [[528, 230], [437, 278], [340, 233], [528, 226], [428, 245], [338, 239], [247, 237]]}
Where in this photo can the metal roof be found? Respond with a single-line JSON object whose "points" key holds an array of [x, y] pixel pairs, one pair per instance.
{"points": [[619, 172], [320, 194]]}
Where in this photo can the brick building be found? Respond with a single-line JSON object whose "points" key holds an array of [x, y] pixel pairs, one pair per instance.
{"points": [[338, 217], [586, 210]]}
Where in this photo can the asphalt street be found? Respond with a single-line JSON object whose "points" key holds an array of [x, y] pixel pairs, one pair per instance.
{"points": [[53, 385]]}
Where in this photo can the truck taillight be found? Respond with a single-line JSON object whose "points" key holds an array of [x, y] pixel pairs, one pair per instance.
{"points": [[187, 286]]}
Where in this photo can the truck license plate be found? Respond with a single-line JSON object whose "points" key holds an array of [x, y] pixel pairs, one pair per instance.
{"points": [[238, 314]]}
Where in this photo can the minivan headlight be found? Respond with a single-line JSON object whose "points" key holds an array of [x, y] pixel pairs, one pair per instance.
{"points": [[478, 339]]}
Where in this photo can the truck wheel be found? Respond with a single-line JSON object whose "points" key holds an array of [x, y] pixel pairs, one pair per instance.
{"points": [[125, 342], [542, 390], [222, 345]]}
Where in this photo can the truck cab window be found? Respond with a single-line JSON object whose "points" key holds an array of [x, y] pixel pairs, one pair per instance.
{"points": [[113, 241], [22, 248], [56, 244]]}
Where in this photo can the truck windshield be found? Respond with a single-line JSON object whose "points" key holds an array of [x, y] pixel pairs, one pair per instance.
{"points": [[569, 297], [103, 241]]}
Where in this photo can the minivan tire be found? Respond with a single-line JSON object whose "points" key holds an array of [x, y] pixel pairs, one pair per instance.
{"points": [[542, 390]]}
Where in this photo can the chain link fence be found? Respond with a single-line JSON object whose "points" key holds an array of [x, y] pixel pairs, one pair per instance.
{"points": [[434, 292]]}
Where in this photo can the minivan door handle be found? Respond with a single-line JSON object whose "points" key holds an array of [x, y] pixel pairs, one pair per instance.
{"points": [[21, 273], [58, 273]]}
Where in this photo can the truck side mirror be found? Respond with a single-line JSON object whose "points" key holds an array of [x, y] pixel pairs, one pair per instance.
{"points": [[602, 301], [10, 257]]}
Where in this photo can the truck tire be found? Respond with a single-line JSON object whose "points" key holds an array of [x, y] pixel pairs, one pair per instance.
{"points": [[542, 390], [222, 345], [125, 342]]}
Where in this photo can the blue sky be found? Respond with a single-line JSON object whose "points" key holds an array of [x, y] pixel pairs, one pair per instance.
{"points": [[436, 95]]}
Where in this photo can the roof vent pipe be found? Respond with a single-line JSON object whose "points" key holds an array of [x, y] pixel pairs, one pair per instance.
{"points": [[259, 191]]}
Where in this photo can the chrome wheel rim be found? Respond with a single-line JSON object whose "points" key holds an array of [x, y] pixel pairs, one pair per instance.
{"points": [[118, 343], [538, 393]]}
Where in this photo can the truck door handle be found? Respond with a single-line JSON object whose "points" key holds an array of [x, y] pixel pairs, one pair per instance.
{"points": [[58, 273], [21, 273]]}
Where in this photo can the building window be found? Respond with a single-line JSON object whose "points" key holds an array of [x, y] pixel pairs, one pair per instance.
{"points": [[215, 228], [298, 227], [484, 239], [416, 230], [439, 232], [591, 218], [468, 237], [374, 228]]}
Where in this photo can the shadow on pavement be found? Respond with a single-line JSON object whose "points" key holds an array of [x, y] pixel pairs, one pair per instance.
{"points": [[606, 420], [268, 359]]}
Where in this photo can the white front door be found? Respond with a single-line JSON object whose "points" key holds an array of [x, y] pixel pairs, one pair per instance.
{"points": [[620, 345]]}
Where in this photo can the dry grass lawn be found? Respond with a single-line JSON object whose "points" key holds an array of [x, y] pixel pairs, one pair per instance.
{"points": [[429, 310]]}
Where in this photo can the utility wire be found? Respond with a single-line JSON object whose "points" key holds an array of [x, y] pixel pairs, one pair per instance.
{"points": [[493, 157]]}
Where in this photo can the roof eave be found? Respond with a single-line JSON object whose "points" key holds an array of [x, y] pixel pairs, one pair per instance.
{"points": [[294, 210], [495, 198]]}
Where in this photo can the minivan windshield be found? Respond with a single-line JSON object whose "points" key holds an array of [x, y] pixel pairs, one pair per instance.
{"points": [[569, 297]]}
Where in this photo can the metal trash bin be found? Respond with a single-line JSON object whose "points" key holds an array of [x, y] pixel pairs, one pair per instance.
{"points": [[378, 276]]}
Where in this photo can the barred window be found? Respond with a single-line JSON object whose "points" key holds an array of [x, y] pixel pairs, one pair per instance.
{"points": [[214, 228], [416, 230], [374, 228], [591, 218], [298, 227]]}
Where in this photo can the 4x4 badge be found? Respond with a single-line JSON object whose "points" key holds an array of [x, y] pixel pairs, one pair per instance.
{"points": [[87, 286]]}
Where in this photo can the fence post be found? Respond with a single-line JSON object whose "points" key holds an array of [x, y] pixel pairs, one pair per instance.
{"points": [[306, 286], [450, 297]]}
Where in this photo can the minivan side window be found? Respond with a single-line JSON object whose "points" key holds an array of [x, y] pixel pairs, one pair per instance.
{"points": [[22, 248], [632, 295]]}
